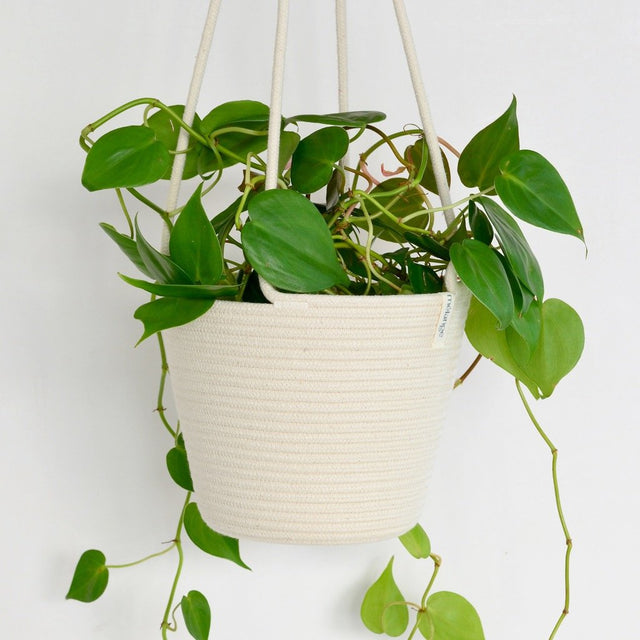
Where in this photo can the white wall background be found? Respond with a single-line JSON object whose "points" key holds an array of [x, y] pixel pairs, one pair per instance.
{"points": [[82, 454]]}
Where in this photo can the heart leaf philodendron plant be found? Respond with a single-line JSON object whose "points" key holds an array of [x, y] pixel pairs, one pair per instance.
{"points": [[332, 227]]}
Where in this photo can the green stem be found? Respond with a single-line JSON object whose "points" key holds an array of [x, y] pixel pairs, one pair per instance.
{"points": [[160, 408], [152, 205], [556, 492], [125, 211], [437, 561], [152, 102], [166, 625], [149, 557]]}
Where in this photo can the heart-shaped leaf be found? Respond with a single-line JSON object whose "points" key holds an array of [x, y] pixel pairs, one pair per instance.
{"points": [[193, 244], [480, 159], [515, 247], [288, 243], [344, 119], [481, 270], [414, 153], [167, 129], [528, 325], [90, 577], [233, 146], [125, 157], [483, 333], [169, 312], [453, 617], [178, 465], [416, 542], [559, 347], [208, 540], [127, 246], [383, 609], [315, 156], [533, 190], [197, 615]]}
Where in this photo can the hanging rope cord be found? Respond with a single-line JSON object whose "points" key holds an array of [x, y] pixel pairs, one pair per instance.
{"points": [[277, 82]]}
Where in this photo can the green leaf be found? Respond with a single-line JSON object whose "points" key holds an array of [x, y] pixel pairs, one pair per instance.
{"points": [[128, 247], [90, 577], [167, 130], [428, 244], [197, 615], [414, 153], [409, 200], [178, 465], [288, 243], [483, 333], [343, 119], [479, 224], [200, 291], [480, 159], [169, 312], [453, 617], [193, 244], [515, 247], [423, 279], [559, 347], [416, 542], [313, 160], [376, 613], [528, 325], [289, 141], [208, 540], [533, 190], [125, 157], [160, 266], [244, 114], [481, 270], [425, 626]]}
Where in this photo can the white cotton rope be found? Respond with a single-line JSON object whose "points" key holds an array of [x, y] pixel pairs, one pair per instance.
{"points": [[200, 66], [430, 135], [275, 109], [343, 72]]}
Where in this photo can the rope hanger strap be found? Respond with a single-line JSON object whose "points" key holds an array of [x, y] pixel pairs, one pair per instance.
{"points": [[277, 82]]}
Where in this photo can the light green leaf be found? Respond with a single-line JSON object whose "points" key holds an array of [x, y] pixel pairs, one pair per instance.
{"points": [[197, 615], [128, 247], [515, 247], [315, 156], [125, 157], [533, 190], [453, 617], [90, 577], [160, 266], [208, 540], [481, 270], [483, 333], [559, 347], [178, 465], [480, 159], [169, 312], [288, 243], [193, 244], [344, 119], [416, 542], [201, 291], [378, 611], [528, 325], [425, 626]]}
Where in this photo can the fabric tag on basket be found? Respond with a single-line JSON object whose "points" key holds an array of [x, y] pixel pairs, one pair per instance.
{"points": [[445, 314]]}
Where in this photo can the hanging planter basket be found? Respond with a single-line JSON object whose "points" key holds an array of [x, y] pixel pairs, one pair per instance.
{"points": [[314, 419]]}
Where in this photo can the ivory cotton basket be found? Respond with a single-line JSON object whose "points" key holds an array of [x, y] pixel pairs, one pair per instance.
{"points": [[313, 419]]}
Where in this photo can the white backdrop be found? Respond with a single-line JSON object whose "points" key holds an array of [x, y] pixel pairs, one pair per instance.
{"points": [[82, 455]]}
